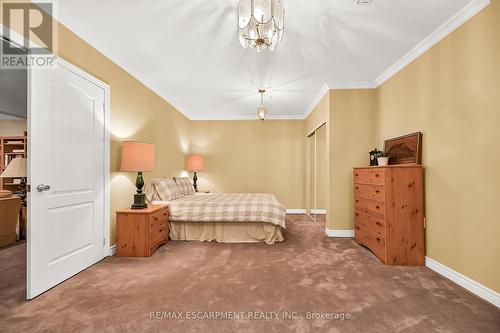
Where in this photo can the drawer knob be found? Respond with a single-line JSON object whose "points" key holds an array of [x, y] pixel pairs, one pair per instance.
{"points": [[357, 188], [377, 191], [378, 223], [377, 207], [357, 214], [378, 239], [376, 175], [155, 218]]}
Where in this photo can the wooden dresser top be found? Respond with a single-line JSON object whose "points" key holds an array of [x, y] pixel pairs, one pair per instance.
{"points": [[391, 166], [150, 209]]}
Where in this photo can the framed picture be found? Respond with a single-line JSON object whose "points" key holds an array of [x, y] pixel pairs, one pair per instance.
{"points": [[406, 149]]}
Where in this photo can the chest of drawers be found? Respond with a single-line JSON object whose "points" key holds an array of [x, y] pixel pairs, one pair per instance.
{"points": [[389, 213], [139, 232]]}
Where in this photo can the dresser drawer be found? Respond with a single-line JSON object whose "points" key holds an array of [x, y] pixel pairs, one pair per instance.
{"points": [[374, 241], [371, 240], [370, 222], [369, 176], [370, 207], [158, 235], [370, 192], [158, 218]]}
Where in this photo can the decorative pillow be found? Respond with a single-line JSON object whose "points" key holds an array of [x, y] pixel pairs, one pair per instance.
{"points": [[150, 192], [167, 189], [185, 185]]}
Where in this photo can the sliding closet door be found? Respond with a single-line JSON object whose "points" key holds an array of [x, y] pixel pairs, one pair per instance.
{"points": [[311, 174], [320, 176]]}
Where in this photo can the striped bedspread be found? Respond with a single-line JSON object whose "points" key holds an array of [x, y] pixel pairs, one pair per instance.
{"points": [[223, 207]]}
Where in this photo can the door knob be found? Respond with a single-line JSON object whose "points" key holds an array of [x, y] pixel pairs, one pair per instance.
{"points": [[43, 188]]}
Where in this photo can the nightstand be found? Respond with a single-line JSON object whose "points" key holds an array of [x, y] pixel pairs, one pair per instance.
{"points": [[139, 232]]}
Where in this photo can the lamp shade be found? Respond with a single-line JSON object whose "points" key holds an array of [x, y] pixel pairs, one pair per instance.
{"points": [[137, 156], [195, 162], [17, 168]]}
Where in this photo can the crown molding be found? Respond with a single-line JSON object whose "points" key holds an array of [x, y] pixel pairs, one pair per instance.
{"points": [[457, 20], [466, 13], [352, 85], [316, 99], [336, 86], [247, 117]]}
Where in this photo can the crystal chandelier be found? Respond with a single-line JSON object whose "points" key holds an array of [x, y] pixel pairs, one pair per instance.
{"points": [[261, 111], [260, 23]]}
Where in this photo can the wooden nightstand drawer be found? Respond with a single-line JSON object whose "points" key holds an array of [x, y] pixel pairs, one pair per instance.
{"points": [[158, 235], [157, 219]]}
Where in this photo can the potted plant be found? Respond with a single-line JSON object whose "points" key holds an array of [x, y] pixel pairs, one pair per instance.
{"points": [[382, 158]]}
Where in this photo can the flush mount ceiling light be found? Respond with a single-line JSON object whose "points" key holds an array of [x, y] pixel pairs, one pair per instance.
{"points": [[262, 111], [260, 23]]}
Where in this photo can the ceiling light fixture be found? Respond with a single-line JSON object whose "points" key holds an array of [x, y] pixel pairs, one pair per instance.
{"points": [[262, 111], [260, 23]]}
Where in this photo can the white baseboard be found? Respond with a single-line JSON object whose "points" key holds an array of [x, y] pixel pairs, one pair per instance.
{"points": [[339, 233], [295, 211], [318, 211], [112, 250], [474, 287]]}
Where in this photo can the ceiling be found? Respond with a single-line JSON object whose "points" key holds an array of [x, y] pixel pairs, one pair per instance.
{"points": [[188, 51]]}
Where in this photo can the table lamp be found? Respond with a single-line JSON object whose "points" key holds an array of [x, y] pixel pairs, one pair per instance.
{"points": [[138, 157], [17, 168], [195, 163]]}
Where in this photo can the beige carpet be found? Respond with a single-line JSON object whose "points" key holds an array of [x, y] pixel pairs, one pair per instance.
{"points": [[307, 273]]}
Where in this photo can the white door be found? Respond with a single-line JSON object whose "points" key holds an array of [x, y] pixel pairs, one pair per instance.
{"points": [[67, 167]]}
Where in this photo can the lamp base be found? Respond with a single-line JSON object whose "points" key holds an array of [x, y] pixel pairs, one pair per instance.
{"points": [[139, 197], [139, 201], [195, 179]]}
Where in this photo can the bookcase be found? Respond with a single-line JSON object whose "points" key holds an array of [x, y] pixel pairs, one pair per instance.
{"points": [[10, 148]]}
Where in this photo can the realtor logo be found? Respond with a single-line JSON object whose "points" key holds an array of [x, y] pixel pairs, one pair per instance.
{"points": [[34, 22]]}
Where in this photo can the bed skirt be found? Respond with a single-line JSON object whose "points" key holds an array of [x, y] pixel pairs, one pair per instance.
{"points": [[226, 232]]}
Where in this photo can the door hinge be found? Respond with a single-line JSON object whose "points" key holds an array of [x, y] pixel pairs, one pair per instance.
{"points": [[103, 241], [28, 188]]}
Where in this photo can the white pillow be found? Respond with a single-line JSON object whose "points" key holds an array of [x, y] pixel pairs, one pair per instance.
{"points": [[167, 189], [185, 185]]}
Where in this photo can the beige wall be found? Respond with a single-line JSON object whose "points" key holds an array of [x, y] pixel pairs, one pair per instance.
{"points": [[137, 113], [452, 95], [252, 156], [352, 136], [319, 115], [12, 127]]}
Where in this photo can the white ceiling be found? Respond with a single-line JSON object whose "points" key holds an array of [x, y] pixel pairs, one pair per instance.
{"points": [[188, 52]]}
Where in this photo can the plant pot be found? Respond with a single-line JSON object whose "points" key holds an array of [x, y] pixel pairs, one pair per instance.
{"points": [[382, 161]]}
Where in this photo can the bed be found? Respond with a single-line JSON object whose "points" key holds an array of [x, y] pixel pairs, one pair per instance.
{"points": [[222, 217]]}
